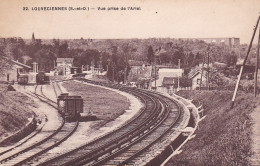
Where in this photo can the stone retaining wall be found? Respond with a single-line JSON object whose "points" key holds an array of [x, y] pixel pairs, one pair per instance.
{"points": [[17, 136]]}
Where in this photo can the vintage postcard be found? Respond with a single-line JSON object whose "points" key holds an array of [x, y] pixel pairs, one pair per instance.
{"points": [[130, 82]]}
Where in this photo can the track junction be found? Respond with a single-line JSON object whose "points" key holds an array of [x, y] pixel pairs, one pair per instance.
{"points": [[160, 121]]}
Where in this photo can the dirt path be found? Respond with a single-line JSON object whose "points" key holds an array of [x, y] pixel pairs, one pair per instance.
{"points": [[255, 160]]}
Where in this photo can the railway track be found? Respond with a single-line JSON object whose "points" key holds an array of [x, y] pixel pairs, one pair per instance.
{"points": [[56, 86], [50, 139], [124, 145]]}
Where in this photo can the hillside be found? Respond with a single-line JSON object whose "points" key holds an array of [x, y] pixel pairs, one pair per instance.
{"points": [[14, 111], [223, 137]]}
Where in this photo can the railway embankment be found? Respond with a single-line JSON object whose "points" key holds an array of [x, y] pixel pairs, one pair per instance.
{"points": [[105, 104], [112, 108], [16, 116], [224, 136], [170, 143]]}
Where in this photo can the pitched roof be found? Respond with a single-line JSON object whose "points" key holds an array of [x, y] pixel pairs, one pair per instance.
{"points": [[196, 73], [160, 52], [65, 60], [170, 70], [21, 64]]}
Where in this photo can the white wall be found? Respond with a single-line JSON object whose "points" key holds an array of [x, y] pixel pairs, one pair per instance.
{"points": [[166, 72], [197, 84]]}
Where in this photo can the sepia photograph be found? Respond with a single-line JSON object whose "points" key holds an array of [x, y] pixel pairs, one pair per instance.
{"points": [[129, 83]]}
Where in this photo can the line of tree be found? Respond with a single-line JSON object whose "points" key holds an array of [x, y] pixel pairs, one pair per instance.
{"points": [[114, 54], [46, 54], [190, 54]]}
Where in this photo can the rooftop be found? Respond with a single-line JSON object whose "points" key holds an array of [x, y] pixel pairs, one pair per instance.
{"points": [[65, 60], [21, 64], [171, 70]]}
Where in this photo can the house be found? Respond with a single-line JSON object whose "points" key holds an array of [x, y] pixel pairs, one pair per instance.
{"points": [[196, 79], [167, 79], [75, 70], [170, 82], [167, 72], [141, 74], [16, 69], [232, 42], [160, 52], [64, 65], [248, 68]]}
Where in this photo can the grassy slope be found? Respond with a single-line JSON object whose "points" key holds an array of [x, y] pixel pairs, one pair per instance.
{"points": [[223, 137], [105, 104], [14, 111]]}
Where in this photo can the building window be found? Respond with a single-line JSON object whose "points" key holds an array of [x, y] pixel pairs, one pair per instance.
{"points": [[198, 81]]}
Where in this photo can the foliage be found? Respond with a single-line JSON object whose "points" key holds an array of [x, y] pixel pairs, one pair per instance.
{"points": [[118, 67], [4, 61], [223, 137], [114, 54], [185, 82], [150, 55]]}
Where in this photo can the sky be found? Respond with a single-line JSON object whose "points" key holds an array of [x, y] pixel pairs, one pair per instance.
{"points": [[157, 18]]}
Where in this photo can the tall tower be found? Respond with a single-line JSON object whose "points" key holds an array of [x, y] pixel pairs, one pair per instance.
{"points": [[33, 38]]}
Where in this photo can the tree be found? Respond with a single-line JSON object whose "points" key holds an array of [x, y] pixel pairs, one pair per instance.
{"points": [[86, 57], [4, 65], [150, 55]]}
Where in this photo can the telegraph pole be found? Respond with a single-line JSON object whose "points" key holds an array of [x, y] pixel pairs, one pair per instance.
{"points": [[155, 76], [113, 72], [242, 67], [179, 66], [155, 72], [256, 66], [125, 75], [202, 72], [208, 73]]}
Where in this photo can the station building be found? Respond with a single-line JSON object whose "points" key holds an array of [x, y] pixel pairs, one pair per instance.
{"points": [[64, 66], [169, 74], [17, 68], [167, 79], [196, 75], [196, 79]]}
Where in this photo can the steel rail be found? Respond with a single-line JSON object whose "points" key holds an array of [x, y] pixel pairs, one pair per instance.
{"points": [[45, 140], [117, 142], [103, 160], [78, 160], [99, 139]]}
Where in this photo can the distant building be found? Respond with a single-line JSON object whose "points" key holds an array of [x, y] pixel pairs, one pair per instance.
{"points": [[170, 82], [232, 42], [248, 68], [168, 72], [64, 65], [195, 76], [16, 69], [160, 52], [139, 70], [141, 75]]}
